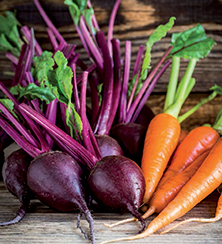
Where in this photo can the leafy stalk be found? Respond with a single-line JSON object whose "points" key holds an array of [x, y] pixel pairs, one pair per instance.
{"points": [[182, 117], [171, 89], [191, 44], [175, 107]]}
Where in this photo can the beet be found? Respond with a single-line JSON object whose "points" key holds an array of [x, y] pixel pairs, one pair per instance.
{"points": [[118, 183], [56, 180], [145, 116], [108, 145], [14, 176], [131, 137]]}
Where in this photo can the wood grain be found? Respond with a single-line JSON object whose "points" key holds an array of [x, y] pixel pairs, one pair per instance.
{"points": [[135, 21], [43, 225]]}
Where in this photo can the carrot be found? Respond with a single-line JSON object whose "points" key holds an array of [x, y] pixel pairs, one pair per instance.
{"points": [[163, 132], [183, 134], [158, 149], [206, 179], [198, 141], [168, 191], [218, 216]]}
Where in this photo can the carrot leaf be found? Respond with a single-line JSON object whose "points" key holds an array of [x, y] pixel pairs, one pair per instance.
{"points": [[192, 43]]}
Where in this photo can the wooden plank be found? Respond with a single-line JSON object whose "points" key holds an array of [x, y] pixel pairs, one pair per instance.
{"points": [[135, 21], [44, 225]]}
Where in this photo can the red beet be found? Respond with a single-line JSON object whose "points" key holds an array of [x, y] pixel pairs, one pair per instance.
{"points": [[56, 180], [118, 183], [130, 137], [14, 176], [145, 116], [108, 145]]}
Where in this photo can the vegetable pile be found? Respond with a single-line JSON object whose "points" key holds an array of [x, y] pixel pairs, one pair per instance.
{"points": [[86, 132]]}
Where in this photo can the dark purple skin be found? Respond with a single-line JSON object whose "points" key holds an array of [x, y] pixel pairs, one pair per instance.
{"points": [[108, 146], [118, 184], [145, 116], [5, 141], [130, 137], [56, 179], [14, 173]]}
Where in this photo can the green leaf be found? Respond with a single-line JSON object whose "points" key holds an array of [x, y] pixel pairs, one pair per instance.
{"points": [[60, 83], [42, 64], [63, 75], [9, 105], [55, 76], [192, 43], [78, 8], [6, 46], [32, 92], [9, 29], [217, 89], [75, 9], [99, 90], [157, 35], [73, 118]]}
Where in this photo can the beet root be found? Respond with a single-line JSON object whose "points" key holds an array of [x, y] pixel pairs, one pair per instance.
{"points": [[56, 180], [118, 183], [130, 137], [108, 145], [145, 116], [14, 172]]}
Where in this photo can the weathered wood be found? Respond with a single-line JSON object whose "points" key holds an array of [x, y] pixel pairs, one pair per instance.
{"points": [[135, 21], [44, 225], [205, 114]]}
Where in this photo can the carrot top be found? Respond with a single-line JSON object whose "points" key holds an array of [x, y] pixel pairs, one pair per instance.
{"points": [[191, 44]]}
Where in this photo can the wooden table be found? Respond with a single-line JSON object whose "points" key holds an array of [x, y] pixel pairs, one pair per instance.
{"points": [[43, 225], [135, 21]]}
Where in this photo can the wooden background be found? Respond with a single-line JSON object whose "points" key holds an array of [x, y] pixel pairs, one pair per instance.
{"points": [[135, 21]]}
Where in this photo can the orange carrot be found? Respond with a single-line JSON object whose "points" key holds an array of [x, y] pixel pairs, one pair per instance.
{"points": [[206, 179], [166, 193], [198, 141], [218, 216], [160, 142], [183, 134]]}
